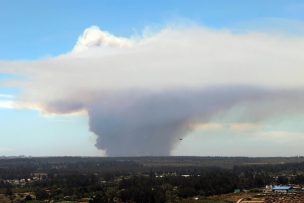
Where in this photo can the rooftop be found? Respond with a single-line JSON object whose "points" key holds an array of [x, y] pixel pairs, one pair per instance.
{"points": [[283, 187]]}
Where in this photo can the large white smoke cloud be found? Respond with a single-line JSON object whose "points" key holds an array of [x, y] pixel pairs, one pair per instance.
{"points": [[143, 95]]}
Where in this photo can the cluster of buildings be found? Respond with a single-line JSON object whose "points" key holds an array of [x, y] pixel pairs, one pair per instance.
{"points": [[277, 194], [23, 181], [283, 189]]}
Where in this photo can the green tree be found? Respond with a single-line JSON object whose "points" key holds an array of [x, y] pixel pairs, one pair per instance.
{"points": [[41, 194]]}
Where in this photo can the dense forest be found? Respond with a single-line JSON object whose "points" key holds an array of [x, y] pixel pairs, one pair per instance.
{"points": [[142, 179]]}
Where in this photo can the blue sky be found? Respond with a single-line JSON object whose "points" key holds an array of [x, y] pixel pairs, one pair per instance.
{"points": [[32, 30]]}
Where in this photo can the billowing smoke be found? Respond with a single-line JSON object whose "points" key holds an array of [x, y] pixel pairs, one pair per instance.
{"points": [[146, 123], [94, 37], [143, 95]]}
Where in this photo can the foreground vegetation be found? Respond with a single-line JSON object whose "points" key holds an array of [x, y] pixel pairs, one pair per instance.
{"points": [[145, 179]]}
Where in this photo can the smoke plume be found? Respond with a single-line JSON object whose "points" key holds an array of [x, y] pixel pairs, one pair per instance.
{"points": [[143, 94]]}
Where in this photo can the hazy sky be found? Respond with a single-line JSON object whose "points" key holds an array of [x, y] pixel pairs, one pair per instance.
{"points": [[133, 77]]}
